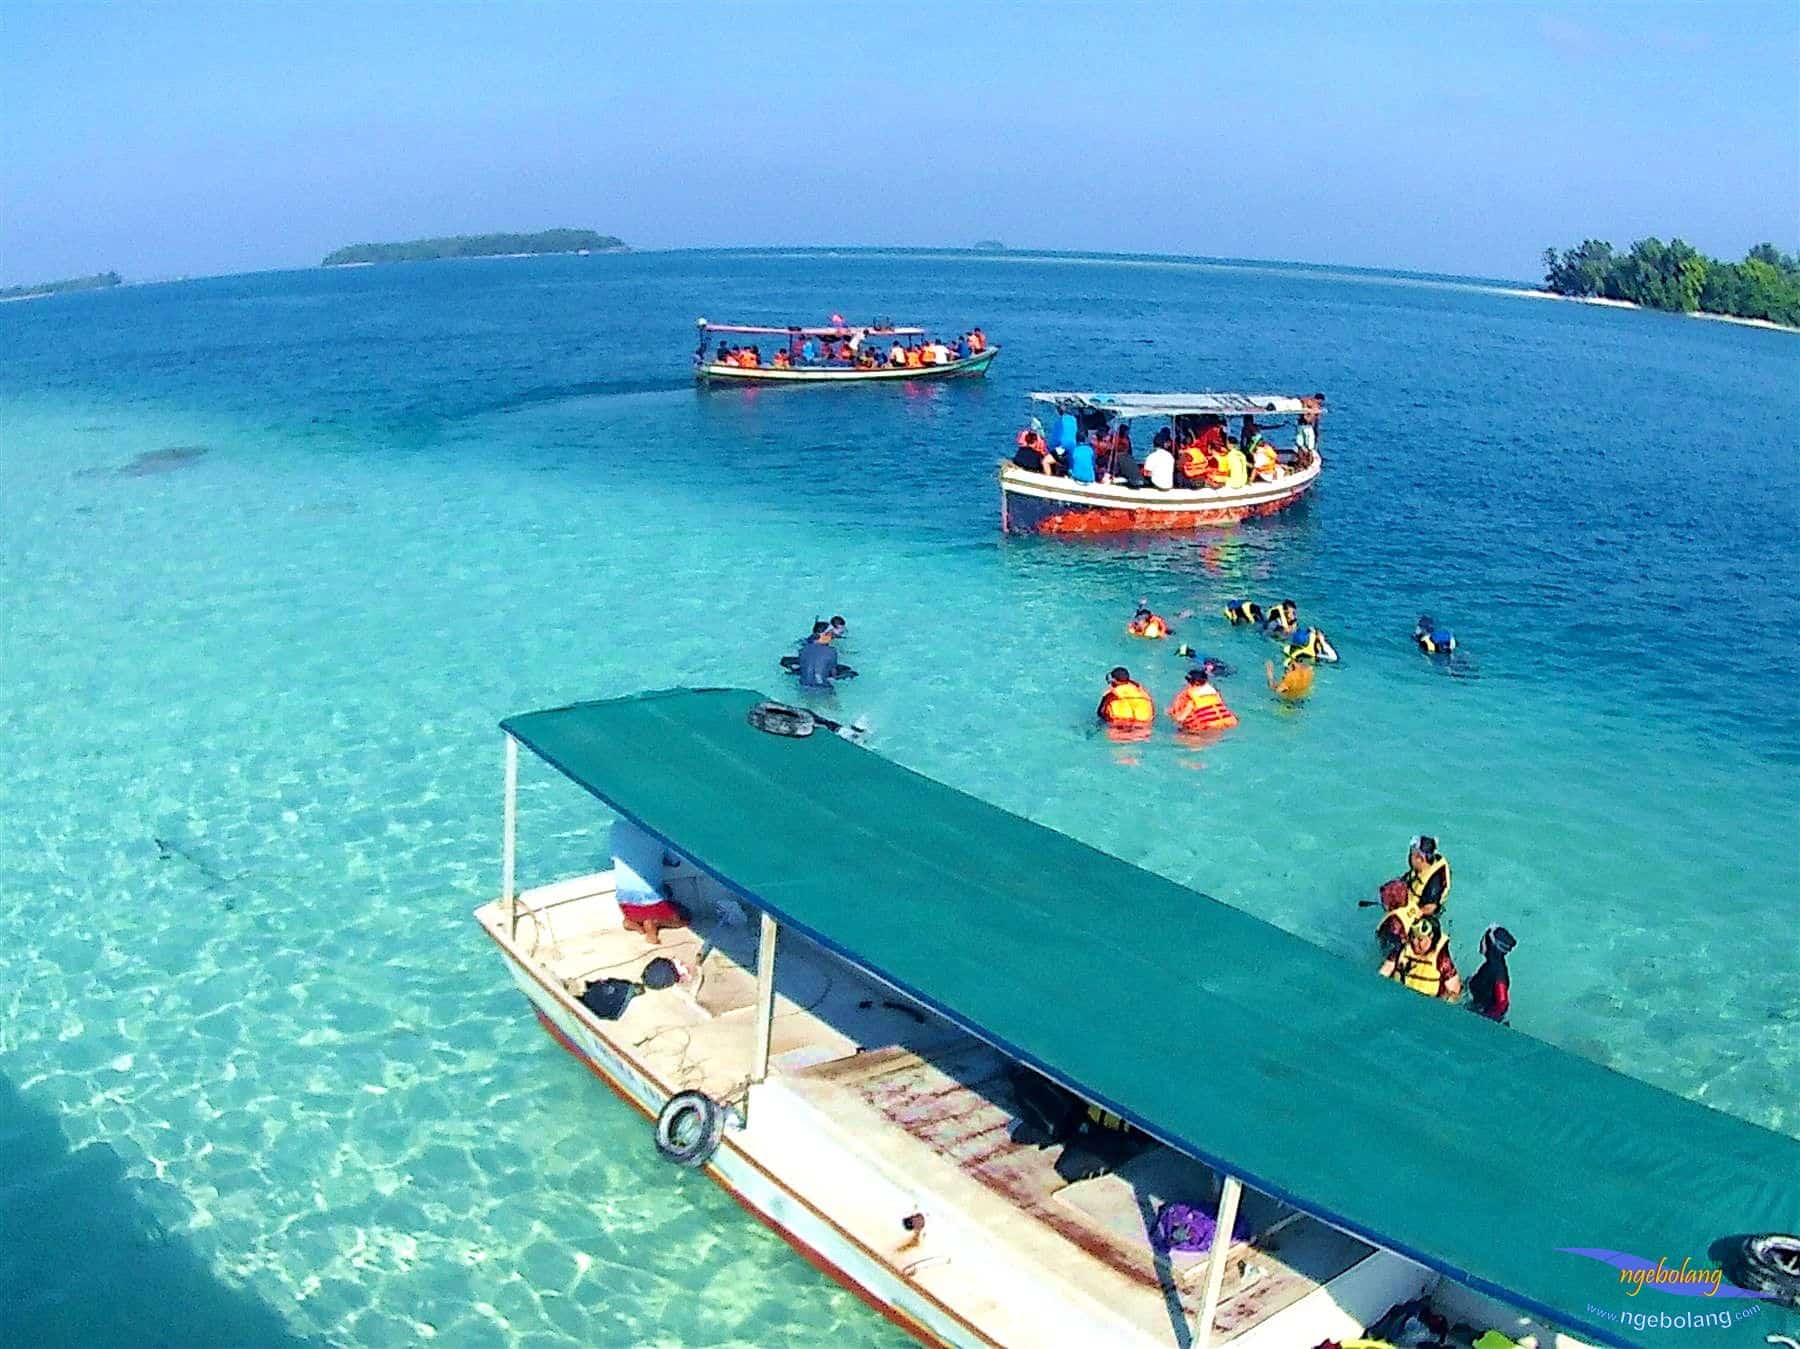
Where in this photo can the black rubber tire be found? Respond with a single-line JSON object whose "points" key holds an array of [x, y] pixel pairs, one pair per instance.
{"points": [[689, 1127], [780, 719], [1767, 1263]]}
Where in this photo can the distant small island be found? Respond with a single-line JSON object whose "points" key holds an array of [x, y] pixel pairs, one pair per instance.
{"points": [[1764, 287], [476, 246], [988, 246], [99, 281]]}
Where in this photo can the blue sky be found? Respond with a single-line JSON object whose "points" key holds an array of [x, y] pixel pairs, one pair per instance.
{"points": [[184, 139]]}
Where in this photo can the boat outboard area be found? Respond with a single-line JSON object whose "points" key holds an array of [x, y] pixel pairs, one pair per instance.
{"points": [[836, 353], [1088, 463], [1015, 1131]]}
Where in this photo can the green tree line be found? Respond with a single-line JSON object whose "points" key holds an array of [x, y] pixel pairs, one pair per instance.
{"points": [[99, 281], [1676, 276], [475, 246]]}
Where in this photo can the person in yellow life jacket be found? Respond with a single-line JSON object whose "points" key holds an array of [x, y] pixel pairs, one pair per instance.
{"points": [[1241, 612], [1282, 619], [1295, 683], [1237, 469], [1423, 963], [1192, 463], [1216, 473], [1265, 466], [1146, 624], [1311, 645], [1126, 703], [1418, 892], [1198, 707], [914, 357]]}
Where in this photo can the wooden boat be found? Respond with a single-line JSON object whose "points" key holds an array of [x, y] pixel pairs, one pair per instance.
{"points": [[864, 1093], [1036, 503], [708, 370]]}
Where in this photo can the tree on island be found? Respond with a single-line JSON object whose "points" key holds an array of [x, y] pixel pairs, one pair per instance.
{"points": [[1676, 277], [477, 246], [99, 281]]}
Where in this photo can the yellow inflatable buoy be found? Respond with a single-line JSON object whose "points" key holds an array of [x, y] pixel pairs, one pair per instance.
{"points": [[1295, 683]]}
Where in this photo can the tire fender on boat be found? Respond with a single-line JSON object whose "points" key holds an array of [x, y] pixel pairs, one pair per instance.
{"points": [[689, 1127]]}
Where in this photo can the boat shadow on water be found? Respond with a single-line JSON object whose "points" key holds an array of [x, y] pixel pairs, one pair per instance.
{"points": [[85, 1259]]}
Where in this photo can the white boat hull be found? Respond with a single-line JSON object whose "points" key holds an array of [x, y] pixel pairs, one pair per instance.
{"points": [[1033, 503]]}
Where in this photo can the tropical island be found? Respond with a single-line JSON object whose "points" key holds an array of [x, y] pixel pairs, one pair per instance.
{"points": [[99, 281], [476, 246], [988, 246], [1675, 276]]}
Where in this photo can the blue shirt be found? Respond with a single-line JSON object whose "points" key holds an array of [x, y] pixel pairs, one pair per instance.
{"points": [[637, 864], [818, 663], [1081, 462]]}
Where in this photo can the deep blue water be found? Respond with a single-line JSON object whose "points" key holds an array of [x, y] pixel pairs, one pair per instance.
{"points": [[425, 496]]}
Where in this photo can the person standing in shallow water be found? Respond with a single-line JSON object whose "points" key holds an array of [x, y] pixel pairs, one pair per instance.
{"points": [[1490, 987]]}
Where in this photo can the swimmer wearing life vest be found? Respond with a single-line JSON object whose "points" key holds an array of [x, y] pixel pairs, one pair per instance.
{"points": [[1281, 619], [1126, 705], [1423, 963], [1144, 623], [1309, 644], [1244, 613], [1431, 639], [1418, 892], [1198, 708], [1490, 988], [1295, 683]]}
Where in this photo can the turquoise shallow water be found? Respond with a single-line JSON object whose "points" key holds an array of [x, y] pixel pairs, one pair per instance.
{"points": [[264, 1079]]}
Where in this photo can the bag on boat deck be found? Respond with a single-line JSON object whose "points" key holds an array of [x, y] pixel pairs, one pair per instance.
{"points": [[1183, 1227], [608, 998]]}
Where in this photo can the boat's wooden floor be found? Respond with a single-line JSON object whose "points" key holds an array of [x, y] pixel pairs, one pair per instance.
{"points": [[927, 1104]]}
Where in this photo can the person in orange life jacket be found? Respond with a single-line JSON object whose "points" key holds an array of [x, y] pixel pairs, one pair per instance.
{"points": [[1125, 702], [1198, 706], [1423, 962], [1146, 624]]}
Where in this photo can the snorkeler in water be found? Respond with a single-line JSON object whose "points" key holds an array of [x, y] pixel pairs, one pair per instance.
{"points": [[1490, 988], [1431, 639]]}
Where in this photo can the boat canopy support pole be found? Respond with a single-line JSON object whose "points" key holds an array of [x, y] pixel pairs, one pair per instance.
{"points": [[509, 831], [1229, 1194], [765, 997]]}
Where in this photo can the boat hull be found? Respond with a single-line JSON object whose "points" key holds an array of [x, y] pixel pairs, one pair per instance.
{"points": [[1031, 503], [973, 367], [818, 1240]]}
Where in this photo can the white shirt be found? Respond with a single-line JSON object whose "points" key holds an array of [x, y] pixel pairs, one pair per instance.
{"points": [[1306, 437], [1159, 467]]}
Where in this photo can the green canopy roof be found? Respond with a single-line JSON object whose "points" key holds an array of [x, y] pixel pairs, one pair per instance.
{"points": [[1460, 1144]]}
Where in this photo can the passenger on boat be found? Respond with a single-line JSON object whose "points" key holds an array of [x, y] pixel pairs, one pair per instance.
{"points": [[1083, 457], [1306, 436], [963, 349], [644, 903], [750, 357], [1490, 988], [1125, 703], [1433, 640], [896, 354], [1265, 465], [1423, 963], [1418, 892], [1159, 464], [977, 341], [809, 351], [1241, 612], [1198, 706], [1144, 623], [782, 360], [1309, 644], [914, 357], [723, 354], [1193, 465], [1237, 469]]}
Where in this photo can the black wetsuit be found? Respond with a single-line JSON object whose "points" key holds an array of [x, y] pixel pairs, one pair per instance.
{"points": [[1490, 990]]}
